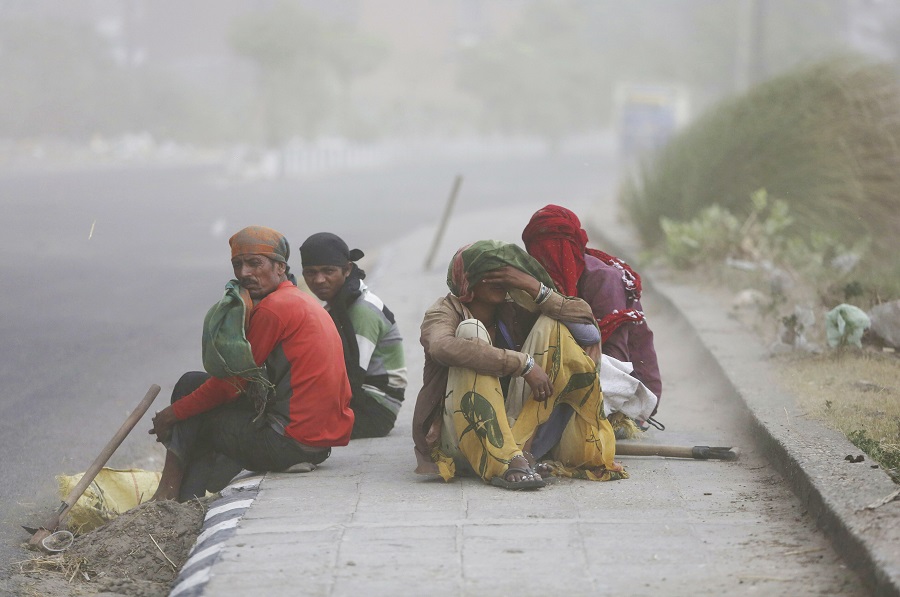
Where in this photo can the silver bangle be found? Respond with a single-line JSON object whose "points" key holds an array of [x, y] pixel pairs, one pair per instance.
{"points": [[543, 294], [529, 365]]}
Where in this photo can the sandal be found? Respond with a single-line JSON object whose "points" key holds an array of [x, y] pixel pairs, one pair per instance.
{"points": [[531, 480]]}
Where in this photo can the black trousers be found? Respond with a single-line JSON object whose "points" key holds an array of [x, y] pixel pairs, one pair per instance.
{"points": [[216, 445], [371, 419]]}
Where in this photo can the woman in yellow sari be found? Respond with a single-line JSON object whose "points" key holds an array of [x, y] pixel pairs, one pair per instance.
{"points": [[510, 368]]}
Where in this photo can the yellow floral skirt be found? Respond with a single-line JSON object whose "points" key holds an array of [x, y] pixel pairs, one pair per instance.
{"points": [[486, 430]]}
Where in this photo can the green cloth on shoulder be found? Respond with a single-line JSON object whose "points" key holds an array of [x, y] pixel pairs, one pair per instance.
{"points": [[226, 350]]}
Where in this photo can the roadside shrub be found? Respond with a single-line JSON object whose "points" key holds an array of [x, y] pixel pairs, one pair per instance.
{"points": [[824, 139], [717, 234], [711, 235], [764, 241]]}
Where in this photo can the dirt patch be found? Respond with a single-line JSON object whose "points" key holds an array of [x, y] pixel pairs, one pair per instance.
{"points": [[137, 554], [853, 390]]}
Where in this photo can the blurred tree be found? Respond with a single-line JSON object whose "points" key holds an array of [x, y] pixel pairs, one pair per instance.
{"points": [[556, 71], [58, 80], [699, 42], [542, 78], [306, 67]]}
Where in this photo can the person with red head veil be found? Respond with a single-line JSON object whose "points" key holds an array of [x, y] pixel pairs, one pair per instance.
{"points": [[554, 237]]}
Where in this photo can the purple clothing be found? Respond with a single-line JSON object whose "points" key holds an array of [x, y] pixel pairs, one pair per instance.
{"points": [[601, 286]]}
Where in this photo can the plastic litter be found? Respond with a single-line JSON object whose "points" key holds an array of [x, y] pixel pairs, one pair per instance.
{"points": [[58, 541], [845, 324]]}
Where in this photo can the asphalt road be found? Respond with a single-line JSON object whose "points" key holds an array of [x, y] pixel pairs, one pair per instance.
{"points": [[107, 275]]}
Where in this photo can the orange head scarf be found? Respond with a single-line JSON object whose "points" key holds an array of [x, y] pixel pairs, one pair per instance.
{"points": [[260, 240]]}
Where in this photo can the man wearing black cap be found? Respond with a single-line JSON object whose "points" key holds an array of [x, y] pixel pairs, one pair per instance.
{"points": [[373, 349]]}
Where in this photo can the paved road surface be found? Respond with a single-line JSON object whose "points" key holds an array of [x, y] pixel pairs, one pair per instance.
{"points": [[107, 275]]}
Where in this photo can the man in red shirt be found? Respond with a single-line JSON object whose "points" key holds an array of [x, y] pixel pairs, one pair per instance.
{"points": [[275, 393]]}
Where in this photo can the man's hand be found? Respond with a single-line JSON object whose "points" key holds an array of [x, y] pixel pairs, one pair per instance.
{"points": [[537, 380], [163, 422], [512, 278], [593, 351]]}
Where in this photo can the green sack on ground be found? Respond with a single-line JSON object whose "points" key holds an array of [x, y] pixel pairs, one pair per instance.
{"points": [[112, 492], [845, 325]]}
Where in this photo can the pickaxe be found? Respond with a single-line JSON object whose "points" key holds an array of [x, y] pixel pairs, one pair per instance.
{"points": [[53, 522]]}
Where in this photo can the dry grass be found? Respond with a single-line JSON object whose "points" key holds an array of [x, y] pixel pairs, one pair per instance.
{"points": [[854, 392]]}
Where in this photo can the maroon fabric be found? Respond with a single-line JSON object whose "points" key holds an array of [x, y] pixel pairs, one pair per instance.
{"points": [[610, 323], [601, 287], [555, 238], [630, 278]]}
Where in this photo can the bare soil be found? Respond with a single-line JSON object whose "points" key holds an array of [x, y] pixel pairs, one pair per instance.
{"points": [[137, 554]]}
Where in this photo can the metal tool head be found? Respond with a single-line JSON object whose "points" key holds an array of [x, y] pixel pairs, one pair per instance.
{"points": [[715, 453]]}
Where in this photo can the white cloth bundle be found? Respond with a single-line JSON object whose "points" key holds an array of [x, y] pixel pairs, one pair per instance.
{"points": [[622, 392]]}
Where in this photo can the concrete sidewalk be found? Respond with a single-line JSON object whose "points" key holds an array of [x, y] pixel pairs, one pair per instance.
{"points": [[364, 524]]}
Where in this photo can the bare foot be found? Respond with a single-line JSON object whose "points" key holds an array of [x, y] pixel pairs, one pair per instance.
{"points": [[542, 469], [521, 462]]}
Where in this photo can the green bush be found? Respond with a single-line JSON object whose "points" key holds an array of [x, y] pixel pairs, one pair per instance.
{"points": [[709, 236], [764, 242], [824, 139], [762, 236]]}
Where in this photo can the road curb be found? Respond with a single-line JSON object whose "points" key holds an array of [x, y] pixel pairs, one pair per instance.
{"points": [[219, 524], [809, 456]]}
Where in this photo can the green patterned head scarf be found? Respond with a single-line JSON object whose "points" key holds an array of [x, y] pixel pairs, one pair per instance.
{"points": [[471, 262]]}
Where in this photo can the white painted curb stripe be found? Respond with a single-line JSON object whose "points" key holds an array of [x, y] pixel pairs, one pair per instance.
{"points": [[227, 507], [225, 524], [199, 577], [203, 554]]}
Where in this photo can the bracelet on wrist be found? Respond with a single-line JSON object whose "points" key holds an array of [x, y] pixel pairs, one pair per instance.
{"points": [[543, 294], [529, 365]]}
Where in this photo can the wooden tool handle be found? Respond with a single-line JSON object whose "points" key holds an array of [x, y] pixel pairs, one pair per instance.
{"points": [[698, 452], [53, 522], [641, 449]]}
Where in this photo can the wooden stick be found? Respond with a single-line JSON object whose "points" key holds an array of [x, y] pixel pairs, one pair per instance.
{"points": [[698, 452], [448, 209], [53, 522]]}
